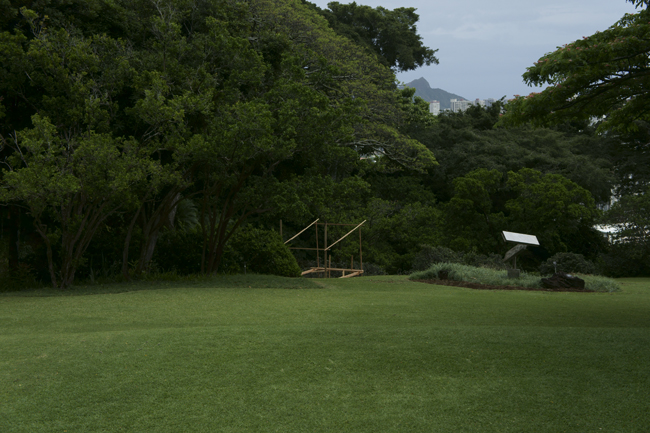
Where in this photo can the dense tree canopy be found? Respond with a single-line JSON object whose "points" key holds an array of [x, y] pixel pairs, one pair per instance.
{"points": [[143, 136], [211, 101], [463, 142]]}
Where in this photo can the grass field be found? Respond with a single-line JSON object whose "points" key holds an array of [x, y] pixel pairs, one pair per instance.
{"points": [[373, 354]]}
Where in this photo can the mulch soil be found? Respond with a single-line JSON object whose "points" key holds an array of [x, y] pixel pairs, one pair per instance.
{"points": [[479, 286]]}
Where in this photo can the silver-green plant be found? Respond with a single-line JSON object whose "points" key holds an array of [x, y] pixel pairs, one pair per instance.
{"points": [[471, 274]]}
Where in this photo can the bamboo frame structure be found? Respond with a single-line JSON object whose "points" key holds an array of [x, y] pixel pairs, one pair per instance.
{"points": [[327, 268]]}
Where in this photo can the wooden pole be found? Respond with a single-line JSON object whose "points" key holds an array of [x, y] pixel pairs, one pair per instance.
{"points": [[346, 235], [325, 251], [299, 233], [360, 255], [317, 251]]}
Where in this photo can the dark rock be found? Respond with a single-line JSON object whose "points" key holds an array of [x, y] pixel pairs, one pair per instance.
{"points": [[560, 280]]}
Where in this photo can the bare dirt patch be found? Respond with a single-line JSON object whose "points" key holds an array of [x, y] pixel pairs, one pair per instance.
{"points": [[480, 286]]}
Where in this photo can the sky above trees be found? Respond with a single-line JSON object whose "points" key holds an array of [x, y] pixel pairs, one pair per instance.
{"points": [[485, 47]]}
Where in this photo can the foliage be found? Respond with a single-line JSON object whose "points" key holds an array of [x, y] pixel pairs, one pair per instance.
{"points": [[601, 76], [78, 181], [559, 212], [179, 251], [169, 126], [17, 279], [458, 272], [624, 260], [464, 142], [390, 34], [568, 263], [430, 255], [469, 220], [263, 252], [630, 249], [218, 102]]}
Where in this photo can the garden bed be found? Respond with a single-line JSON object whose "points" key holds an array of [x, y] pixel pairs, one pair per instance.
{"points": [[454, 274], [480, 286]]}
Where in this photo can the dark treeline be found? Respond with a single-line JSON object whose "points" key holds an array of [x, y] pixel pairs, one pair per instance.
{"points": [[174, 135]]}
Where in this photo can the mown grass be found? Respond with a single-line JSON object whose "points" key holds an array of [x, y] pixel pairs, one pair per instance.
{"points": [[360, 355], [474, 274]]}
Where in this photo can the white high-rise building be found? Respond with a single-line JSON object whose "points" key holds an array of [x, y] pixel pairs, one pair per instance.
{"points": [[458, 106], [434, 107], [462, 105]]}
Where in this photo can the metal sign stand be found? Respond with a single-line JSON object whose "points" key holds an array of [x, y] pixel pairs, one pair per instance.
{"points": [[522, 241]]}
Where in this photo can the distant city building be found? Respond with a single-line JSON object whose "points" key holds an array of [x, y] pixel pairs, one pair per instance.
{"points": [[434, 107], [460, 105]]}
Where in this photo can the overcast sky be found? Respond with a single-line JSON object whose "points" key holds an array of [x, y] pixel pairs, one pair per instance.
{"points": [[485, 46]]}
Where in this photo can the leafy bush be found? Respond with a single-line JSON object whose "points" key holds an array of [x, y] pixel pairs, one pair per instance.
{"points": [[626, 259], [491, 261], [263, 252], [179, 251], [458, 272], [473, 274], [18, 279], [568, 262], [429, 255]]}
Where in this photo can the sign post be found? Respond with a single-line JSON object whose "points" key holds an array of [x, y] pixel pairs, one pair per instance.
{"points": [[522, 241]]}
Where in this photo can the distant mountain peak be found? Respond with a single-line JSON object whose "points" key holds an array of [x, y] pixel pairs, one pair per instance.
{"points": [[420, 82], [424, 91]]}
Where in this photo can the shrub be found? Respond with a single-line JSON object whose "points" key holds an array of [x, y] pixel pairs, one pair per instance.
{"points": [[569, 263], [18, 279], [430, 255], [263, 252], [473, 274], [626, 260], [179, 251], [458, 272]]}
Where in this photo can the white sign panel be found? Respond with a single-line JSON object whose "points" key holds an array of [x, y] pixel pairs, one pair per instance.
{"points": [[520, 238]]}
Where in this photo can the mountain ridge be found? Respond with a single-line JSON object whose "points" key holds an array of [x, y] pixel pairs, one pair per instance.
{"points": [[424, 91]]}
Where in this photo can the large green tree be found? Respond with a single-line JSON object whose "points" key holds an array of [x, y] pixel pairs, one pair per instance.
{"points": [[223, 103], [390, 34], [485, 202], [604, 76], [463, 142]]}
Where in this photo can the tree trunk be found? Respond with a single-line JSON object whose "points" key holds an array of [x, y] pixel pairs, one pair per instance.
{"points": [[14, 238], [42, 230], [127, 242], [160, 217]]}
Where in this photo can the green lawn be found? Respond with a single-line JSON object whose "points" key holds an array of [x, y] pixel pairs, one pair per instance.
{"points": [[373, 354]]}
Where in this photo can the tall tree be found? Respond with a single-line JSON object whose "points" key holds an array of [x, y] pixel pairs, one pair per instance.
{"points": [[390, 34], [604, 76], [212, 96], [463, 142]]}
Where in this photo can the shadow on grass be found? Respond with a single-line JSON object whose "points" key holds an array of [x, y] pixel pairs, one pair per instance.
{"points": [[249, 281]]}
